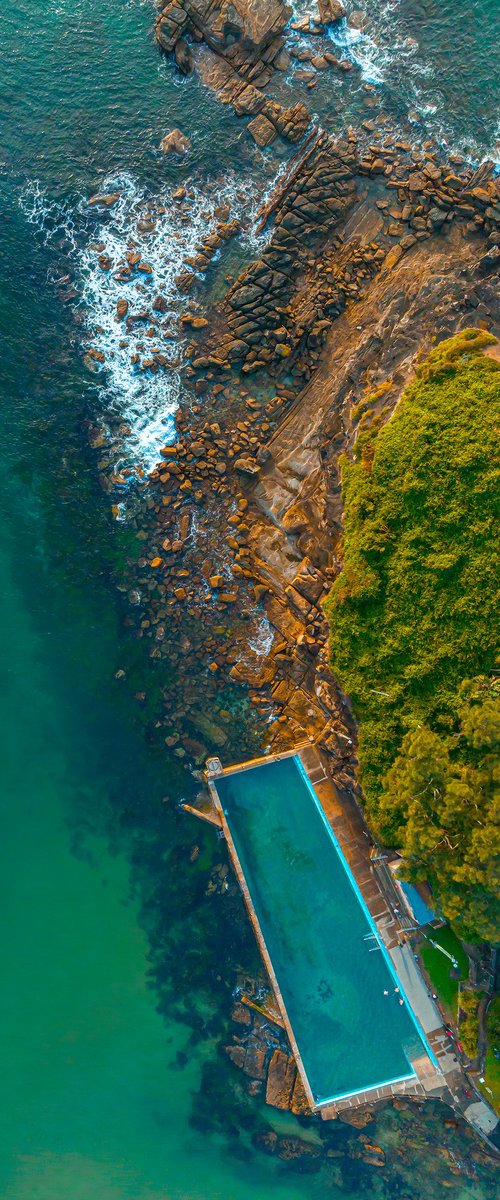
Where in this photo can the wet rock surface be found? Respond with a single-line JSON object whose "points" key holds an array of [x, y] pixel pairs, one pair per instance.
{"points": [[237, 528], [175, 142], [246, 44], [375, 250]]}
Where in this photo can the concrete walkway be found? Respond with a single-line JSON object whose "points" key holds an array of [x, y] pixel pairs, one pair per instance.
{"points": [[482, 1117], [407, 971]]}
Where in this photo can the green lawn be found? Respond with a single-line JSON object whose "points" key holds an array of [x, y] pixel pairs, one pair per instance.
{"points": [[491, 1086], [438, 966]]}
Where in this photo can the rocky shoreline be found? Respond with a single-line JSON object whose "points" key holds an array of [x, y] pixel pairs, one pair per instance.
{"points": [[243, 513], [387, 250], [376, 250]]}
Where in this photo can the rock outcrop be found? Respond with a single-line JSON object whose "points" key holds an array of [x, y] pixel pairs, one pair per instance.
{"points": [[376, 250], [175, 142], [245, 37]]}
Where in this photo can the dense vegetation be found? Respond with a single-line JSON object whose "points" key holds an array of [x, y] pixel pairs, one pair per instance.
{"points": [[469, 1020], [413, 627]]}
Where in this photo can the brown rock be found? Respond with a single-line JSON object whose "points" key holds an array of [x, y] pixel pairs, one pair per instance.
{"points": [[298, 602], [357, 1117], [107, 200], [262, 131], [175, 142], [247, 466], [193, 321], [281, 1078], [299, 1103], [392, 258], [241, 1014], [255, 1060], [185, 281], [121, 308], [331, 10]]}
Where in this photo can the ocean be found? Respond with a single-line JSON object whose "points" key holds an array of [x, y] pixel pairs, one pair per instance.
{"points": [[117, 964]]}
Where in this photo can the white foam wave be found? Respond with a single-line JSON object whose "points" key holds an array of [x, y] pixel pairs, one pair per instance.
{"points": [[178, 230], [372, 57], [166, 232], [54, 219], [262, 637]]}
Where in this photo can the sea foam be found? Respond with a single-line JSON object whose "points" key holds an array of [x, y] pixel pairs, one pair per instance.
{"points": [[139, 402]]}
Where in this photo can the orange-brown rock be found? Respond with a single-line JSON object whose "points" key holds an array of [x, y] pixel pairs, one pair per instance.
{"points": [[281, 1078], [262, 131]]}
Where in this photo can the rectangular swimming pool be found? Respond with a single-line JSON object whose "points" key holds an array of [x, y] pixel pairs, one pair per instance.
{"points": [[337, 983]]}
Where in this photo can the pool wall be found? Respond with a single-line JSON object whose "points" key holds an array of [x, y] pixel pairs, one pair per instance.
{"points": [[315, 1103], [255, 920], [367, 913]]}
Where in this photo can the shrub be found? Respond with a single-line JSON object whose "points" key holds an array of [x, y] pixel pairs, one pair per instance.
{"points": [[469, 1022]]}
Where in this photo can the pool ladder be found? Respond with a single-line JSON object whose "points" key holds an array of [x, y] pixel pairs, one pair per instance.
{"points": [[367, 937]]}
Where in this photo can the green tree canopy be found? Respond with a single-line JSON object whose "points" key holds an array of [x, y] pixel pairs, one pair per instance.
{"points": [[413, 627]]}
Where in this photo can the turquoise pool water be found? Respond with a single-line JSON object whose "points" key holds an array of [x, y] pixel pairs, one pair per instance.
{"points": [[338, 986]]}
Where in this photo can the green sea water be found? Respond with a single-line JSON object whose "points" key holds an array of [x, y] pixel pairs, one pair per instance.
{"points": [[114, 981]]}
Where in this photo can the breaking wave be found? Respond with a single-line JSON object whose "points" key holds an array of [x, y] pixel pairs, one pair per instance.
{"points": [[421, 67], [137, 392]]}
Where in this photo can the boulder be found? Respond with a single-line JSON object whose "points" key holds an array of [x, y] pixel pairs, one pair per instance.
{"points": [[253, 24], [175, 142], [247, 466], [107, 200], [330, 11], [262, 131], [236, 350]]}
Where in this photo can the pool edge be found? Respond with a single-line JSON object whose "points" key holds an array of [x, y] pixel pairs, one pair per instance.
{"points": [[321, 1103], [359, 896]]}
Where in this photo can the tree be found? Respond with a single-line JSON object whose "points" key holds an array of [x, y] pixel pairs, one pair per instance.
{"points": [[414, 625]]}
